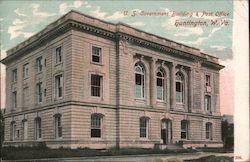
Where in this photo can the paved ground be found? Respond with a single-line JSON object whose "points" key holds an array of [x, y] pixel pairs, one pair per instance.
{"points": [[131, 158]]}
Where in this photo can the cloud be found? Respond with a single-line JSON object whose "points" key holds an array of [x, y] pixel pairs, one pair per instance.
{"points": [[98, 13], [19, 13], [218, 48], [3, 54], [180, 31], [1, 19], [115, 16], [65, 7], [188, 31], [136, 24], [15, 29], [37, 13]]}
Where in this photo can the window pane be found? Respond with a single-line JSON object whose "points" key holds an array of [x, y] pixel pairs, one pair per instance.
{"points": [[95, 126], [183, 135], [178, 87], [159, 92], [143, 127], [159, 82], [138, 79], [95, 85], [96, 54]]}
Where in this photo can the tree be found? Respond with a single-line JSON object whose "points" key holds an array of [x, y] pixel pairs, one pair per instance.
{"points": [[1, 130]]}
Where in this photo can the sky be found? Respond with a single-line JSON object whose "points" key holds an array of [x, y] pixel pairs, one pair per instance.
{"points": [[21, 19]]}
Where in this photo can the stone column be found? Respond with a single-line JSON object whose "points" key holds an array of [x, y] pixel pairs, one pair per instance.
{"points": [[172, 85], [190, 89], [152, 82]]}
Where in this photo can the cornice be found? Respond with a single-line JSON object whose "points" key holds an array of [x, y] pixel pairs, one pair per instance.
{"points": [[64, 25]]}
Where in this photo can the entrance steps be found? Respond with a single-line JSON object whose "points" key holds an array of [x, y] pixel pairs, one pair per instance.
{"points": [[168, 146]]}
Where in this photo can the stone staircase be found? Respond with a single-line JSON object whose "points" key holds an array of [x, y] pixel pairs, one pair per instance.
{"points": [[169, 146]]}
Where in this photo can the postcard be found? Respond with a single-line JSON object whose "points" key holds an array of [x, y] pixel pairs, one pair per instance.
{"points": [[101, 80]]}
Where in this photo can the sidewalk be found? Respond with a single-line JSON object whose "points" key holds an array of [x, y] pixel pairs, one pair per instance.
{"points": [[128, 158]]}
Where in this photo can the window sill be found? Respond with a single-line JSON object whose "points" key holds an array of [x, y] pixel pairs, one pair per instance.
{"points": [[161, 101], [59, 63], [144, 139], [58, 138], [96, 139], [141, 99], [25, 78], [40, 72], [96, 63], [14, 82], [58, 99]]}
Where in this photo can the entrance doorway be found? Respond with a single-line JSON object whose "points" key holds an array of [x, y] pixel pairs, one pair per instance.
{"points": [[166, 131]]}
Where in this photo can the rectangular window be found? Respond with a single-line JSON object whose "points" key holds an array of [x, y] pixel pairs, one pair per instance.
{"points": [[207, 80], [26, 71], [96, 122], [58, 127], [39, 92], [59, 86], [143, 128], [58, 55], [14, 100], [96, 85], [208, 103], [13, 131], [25, 129], [96, 54], [25, 96], [38, 129], [209, 131], [184, 129], [14, 75], [39, 64]]}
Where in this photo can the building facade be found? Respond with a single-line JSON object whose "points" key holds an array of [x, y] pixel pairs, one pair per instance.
{"points": [[84, 82]]}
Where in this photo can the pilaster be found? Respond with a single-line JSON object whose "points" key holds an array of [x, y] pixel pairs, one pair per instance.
{"points": [[152, 82], [172, 81]]}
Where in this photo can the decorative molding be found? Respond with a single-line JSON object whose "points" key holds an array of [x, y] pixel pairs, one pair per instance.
{"points": [[70, 24]]}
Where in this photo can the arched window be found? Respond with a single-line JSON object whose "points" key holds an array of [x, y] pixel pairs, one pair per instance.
{"points": [[13, 131], [96, 125], [160, 82], [58, 125], [139, 80], [38, 128], [179, 86], [144, 127], [209, 131], [184, 129]]}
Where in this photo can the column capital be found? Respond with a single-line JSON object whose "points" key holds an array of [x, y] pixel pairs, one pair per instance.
{"points": [[153, 59], [174, 64]]}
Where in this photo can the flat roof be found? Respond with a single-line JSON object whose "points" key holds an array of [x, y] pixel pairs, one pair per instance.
{"points": [[111, 27]]}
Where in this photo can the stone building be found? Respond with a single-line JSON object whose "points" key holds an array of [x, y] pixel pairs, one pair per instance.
{"points": [[84, 82]]}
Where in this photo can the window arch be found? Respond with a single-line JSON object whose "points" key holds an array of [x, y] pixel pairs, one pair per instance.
{"points": [[179, 87], [209, 128], [38, 128], [96, 125], [13, 131], [184, 129], [139, 71], [160, 83], [58, 125], [144, 127]]}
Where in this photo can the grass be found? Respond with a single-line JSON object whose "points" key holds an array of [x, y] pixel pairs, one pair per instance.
{"points": [[14, 153], [212, 158], [41, 151]]}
